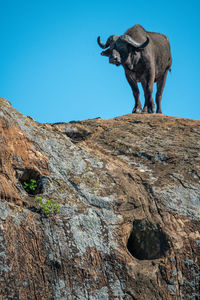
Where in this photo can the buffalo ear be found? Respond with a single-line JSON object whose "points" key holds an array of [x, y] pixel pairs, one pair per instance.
{"points": [[138, 49], [106, 52]]}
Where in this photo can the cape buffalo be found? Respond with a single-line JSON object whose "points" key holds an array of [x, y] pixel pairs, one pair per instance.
{"points": [[146, 58]]}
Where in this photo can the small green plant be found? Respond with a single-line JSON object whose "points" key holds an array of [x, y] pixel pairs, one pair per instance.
{"points": [[30, 186], [48, 207]]}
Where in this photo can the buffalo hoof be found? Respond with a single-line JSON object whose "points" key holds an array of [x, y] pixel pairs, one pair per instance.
{"points": [[159, 111], [145, 110], [151, 111], [136, 110]]}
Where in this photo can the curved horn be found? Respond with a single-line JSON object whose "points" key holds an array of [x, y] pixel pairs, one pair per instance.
{"points": [[102, 45], [110, 40], [131, 41]]}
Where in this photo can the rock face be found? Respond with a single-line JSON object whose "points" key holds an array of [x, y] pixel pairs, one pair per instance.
{"points": [[129, 222]]}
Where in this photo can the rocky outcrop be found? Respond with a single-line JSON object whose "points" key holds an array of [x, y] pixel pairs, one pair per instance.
{"points": [[129, 219]]}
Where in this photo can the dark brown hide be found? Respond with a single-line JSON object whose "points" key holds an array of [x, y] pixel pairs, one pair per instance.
{"points": [[146, 58]]}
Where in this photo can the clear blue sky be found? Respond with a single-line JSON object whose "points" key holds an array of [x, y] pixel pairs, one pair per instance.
{"points": [[51, 68]]}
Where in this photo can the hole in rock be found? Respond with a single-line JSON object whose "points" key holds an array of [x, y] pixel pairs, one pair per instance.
{"points": [[147, 241], [32, 181], [78, 135], [56, 264]]}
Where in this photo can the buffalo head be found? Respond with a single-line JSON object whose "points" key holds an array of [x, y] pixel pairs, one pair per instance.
{"points": [[119, 48]]}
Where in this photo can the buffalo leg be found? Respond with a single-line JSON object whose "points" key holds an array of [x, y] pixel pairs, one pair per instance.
{"points": [[137, 108], [160, 88], [136, 93], [148, 90]]}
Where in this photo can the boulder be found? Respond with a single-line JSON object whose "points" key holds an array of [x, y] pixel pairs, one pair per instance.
{"points": [[128, 224]]}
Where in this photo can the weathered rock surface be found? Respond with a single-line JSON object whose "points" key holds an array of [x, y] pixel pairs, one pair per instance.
{"points": [[129, 224]]}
